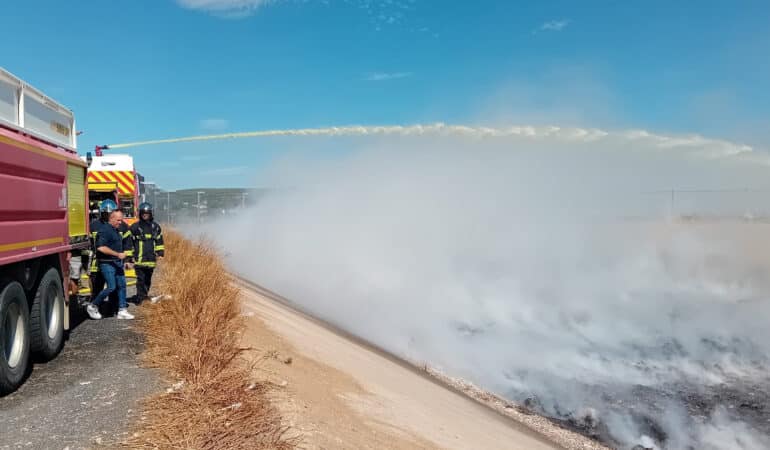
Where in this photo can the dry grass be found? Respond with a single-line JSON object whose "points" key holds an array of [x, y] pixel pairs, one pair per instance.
{"points": [[195, 337]]}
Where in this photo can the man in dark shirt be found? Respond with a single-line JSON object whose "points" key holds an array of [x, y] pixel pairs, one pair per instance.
{"points": [[110, 256], [106, 207]]}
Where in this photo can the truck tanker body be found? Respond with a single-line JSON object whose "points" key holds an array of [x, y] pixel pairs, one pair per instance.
{"points": [[43, 218]]}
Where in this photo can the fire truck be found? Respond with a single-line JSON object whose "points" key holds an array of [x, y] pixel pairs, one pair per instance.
{"points": [[43, 218], [111, 177], [50, 195], [114, 173]]}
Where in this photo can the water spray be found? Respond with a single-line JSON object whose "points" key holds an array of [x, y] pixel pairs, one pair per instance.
{"points": [[437, 129], [573, 134]]}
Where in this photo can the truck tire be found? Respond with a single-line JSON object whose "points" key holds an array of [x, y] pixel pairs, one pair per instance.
{"points": [[46, 322], [14, 336]]}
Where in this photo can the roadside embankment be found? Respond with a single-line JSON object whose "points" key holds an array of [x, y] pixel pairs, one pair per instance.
{"points": [[213, 401]]}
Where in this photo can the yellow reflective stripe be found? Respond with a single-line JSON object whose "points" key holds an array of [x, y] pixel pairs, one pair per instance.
{"points": [[160, 247], [141, 252], [146, 264], [27, 244], [129, 252], [148, 236]]}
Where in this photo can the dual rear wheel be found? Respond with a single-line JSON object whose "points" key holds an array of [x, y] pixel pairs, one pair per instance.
{"points": [[25, 330]]}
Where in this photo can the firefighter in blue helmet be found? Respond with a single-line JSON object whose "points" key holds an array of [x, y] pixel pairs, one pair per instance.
{"points": [[106, 207], [147, 238]]}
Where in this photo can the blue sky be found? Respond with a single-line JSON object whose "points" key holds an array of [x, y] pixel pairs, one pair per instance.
{"points": [[145, 69]]}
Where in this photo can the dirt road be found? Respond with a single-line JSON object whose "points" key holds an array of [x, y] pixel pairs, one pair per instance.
{"points": [[340, 394]]}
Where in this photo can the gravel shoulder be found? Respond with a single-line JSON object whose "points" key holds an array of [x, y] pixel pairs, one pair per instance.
{"points": [[86, 397]]}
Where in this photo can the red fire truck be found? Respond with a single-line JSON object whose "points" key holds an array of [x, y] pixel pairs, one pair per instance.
{"points": [[43, 218]]}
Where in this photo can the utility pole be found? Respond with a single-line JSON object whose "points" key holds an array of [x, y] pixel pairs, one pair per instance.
{"points": [[243, 199], [199, 205]]}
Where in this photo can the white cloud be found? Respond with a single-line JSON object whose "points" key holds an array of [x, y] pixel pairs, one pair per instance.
{"points": [[225, 8], [387, 13], [214, 124], [385, 76], [555, 25]]}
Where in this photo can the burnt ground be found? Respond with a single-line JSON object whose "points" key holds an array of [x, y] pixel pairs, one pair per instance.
{"points": [[745, 401], [87, 396]]}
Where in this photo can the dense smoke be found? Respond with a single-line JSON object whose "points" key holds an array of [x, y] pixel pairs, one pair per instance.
{"points": [[556, 270]]}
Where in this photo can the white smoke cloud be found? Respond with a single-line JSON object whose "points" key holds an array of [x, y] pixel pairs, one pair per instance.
{"points": [[539, 263]]}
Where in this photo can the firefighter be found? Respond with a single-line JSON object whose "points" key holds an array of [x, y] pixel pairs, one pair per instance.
{"points": [[148, 249], [106, 207]]}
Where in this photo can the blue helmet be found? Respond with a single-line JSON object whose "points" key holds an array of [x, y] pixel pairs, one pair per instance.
{"points": [[107, 206]]}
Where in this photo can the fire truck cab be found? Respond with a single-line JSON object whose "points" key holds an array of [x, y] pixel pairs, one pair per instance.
{"points": [[118, 171]]}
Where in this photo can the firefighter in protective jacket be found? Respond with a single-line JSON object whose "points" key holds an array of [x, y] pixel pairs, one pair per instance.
{"points": [[148, 249]]}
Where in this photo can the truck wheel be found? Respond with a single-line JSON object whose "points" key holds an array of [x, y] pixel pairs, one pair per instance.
{"points": [[14, 336], [47, 316]]}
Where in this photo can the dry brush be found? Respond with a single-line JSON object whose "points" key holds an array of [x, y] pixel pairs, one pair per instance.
{"points": [[213, 402]]}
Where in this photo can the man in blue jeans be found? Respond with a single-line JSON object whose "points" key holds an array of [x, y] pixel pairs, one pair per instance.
{"points": [[110, 256]]}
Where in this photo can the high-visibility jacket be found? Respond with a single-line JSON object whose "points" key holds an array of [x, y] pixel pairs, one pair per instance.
{"points": [[125, 233], [147, 237]]}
